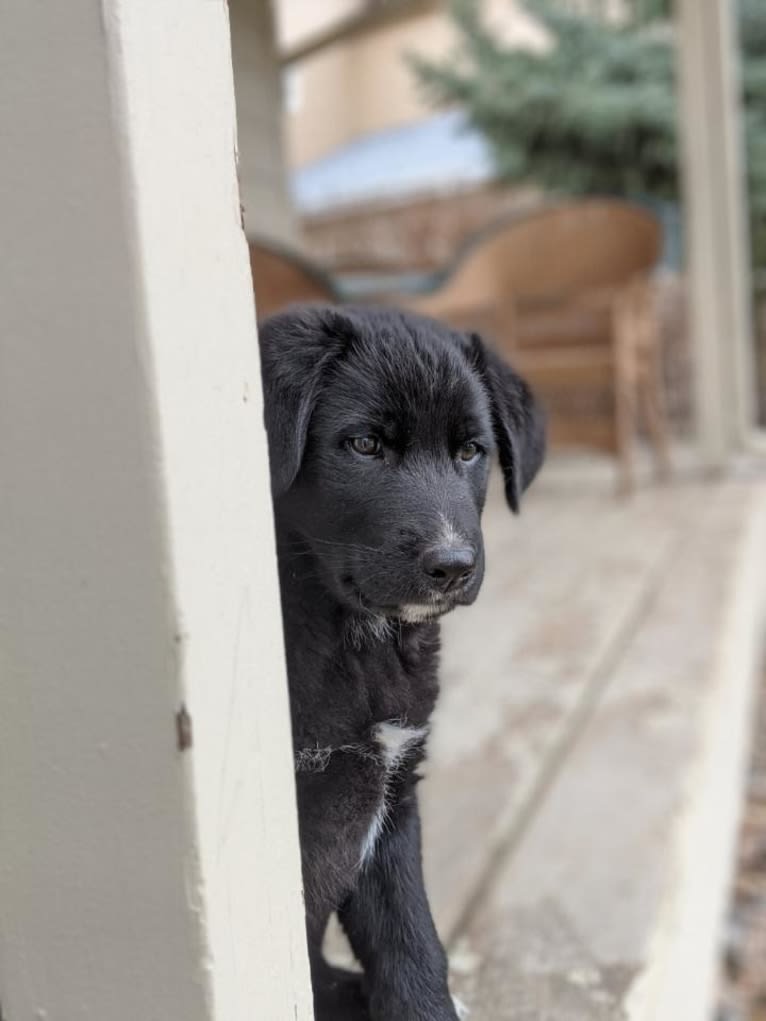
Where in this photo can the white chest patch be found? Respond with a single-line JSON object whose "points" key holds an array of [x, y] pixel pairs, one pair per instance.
{"points": [[395, 741]]}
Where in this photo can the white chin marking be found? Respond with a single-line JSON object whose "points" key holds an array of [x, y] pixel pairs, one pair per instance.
{"points": [[415, 613]]}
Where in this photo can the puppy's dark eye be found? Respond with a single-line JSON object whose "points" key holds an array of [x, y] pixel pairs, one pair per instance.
{"points": [[469, 451], [368, 446]]}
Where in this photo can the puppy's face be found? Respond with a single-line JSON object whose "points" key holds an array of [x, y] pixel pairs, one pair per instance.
{"points": [[380, 459], [394, 476]]}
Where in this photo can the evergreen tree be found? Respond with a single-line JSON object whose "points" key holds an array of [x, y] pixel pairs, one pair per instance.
{"points": [[596, 112], [753, 34]]}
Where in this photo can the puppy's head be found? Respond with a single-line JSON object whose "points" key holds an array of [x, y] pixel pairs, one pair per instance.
{"points": [[381, 430]]}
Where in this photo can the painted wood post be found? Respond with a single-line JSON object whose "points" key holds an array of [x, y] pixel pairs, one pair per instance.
{"points": [[149, 863], [716, 227], [263, 176]]}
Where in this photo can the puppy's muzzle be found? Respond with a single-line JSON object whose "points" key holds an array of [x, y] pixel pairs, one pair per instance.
{"points": [[449, 568]]}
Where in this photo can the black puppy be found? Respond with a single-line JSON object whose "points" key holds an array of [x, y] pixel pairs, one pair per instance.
{"points": [[381, 426]]}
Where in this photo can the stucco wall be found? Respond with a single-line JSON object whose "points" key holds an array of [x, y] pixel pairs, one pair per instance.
{"points": [[364, 84]]}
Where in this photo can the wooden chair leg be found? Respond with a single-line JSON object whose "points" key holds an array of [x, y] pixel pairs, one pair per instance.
{"points": [[654, 407], [625, 379], [656, 424], [625, 433]]}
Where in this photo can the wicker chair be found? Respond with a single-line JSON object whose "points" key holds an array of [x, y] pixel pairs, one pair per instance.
{"points": [[566, 293], [281, 276]]}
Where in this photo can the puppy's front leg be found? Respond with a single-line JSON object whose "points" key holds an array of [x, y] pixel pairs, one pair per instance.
{"points": [[389, 925]]}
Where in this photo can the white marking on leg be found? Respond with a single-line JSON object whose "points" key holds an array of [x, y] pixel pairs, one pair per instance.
{"points": [[417, 613], [373, 833]]}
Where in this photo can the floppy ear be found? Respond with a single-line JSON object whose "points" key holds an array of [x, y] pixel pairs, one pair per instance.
{"points": [[518, 421], [297, 348]]}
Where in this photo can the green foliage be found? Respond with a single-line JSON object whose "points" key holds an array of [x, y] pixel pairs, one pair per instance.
{"points": [[595, 112], [650, 10], [753, 32]]}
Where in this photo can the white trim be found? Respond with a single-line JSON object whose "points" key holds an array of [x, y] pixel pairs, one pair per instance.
{"points": [[716, 227]]}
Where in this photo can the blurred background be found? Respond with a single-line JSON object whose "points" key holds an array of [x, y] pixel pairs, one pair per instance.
{"points": [[401, 132], [584, 182]]}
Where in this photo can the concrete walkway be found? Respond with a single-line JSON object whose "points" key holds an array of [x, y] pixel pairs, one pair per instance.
{"points": [[587, 760], [586, 770]]}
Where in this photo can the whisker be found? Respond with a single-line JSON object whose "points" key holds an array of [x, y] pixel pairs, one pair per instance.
{"points": [[309, 540]]}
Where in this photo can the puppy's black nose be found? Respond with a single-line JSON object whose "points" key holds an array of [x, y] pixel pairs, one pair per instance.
{"points": [[449, 566]]}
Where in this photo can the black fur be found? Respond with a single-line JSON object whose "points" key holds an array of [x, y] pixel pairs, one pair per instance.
{"points": [[373, 548]]}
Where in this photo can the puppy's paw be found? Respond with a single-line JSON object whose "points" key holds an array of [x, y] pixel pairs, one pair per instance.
{"points": [[447, 1009], [340, 997]]}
